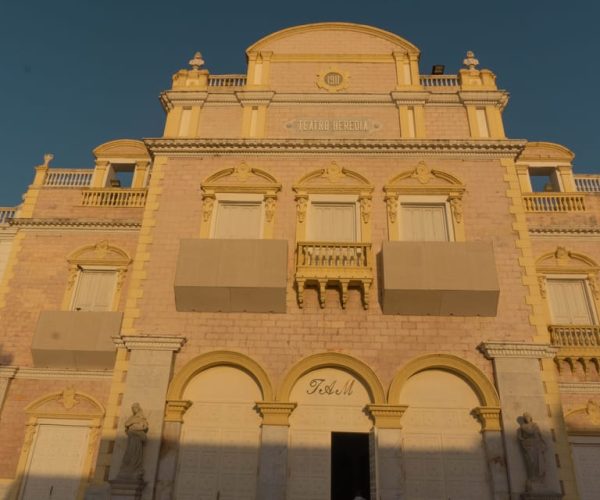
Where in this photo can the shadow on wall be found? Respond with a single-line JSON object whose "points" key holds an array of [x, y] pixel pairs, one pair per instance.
{"points": [[218, 469]]}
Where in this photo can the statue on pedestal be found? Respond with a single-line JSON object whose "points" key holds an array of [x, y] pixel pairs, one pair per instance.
{"points": [[533, 447], [136, 428]]}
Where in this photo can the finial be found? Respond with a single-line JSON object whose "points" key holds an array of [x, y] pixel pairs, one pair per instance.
{"points": [[48, 157], [470, 62], [197, 62]]}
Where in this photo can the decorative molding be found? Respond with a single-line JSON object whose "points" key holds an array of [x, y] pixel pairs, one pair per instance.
{"points": [[501, 349], [386, 416], [489, 417], [580, 387], [423, 147], [587, 232], [275, 413], [175, 410], [77, 224], [150, 342], [24, 372]]}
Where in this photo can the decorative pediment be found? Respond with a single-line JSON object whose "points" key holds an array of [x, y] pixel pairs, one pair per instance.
{"points": [[241, 179], [101, 254], [68, 402], [584, 420], [424, 180], [333, 179], [563, 260], [122, 148], [546, 151]]}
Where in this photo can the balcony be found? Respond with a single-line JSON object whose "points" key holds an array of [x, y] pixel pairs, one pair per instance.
{"points": [[68, 178], [554, 202], [75, 339], [227, 275], [7, 213], [340, 264], [439, 278], [587, 183], [575, 335], [114, 197]]}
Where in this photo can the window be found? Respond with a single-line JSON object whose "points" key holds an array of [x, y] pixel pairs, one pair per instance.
{"points": [[331, 221], [424, 222], [95, 290], [569, 302], [238, 220], [544, 180]]}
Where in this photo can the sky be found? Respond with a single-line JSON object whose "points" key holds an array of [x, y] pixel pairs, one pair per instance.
{"points": [[77, 73]]}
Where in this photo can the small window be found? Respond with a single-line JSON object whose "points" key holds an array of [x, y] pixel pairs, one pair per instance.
{"points": [[238, 220], [544, 180], [570, 302], [424, 222], [333, 222], [95, 290]]}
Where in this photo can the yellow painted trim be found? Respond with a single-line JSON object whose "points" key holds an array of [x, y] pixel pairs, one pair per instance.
{"points": [[9, 270], [495, 124], [360, 28], [172, 121], [571, 262], [534, 151], [334, 58], [219, 358], [121, 148], [483, 388], [333, 360], [472, 119]]}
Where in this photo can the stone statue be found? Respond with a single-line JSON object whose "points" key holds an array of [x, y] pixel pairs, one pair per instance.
{"points": [[533, 446], [136, 428]]}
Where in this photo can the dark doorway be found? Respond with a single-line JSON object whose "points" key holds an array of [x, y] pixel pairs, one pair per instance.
{"points": [[350, 473]]}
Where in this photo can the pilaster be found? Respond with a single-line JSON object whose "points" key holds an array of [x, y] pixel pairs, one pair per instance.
{"points": [[7, 373]]}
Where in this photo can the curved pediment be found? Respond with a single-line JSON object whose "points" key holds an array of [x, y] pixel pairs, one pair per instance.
{"points": [[424, 179], [585, 419], [241, 178], [102, 253], [546, 151], [67, 402], [562, 259], [333, 38], [122, 148], [333, 179]]}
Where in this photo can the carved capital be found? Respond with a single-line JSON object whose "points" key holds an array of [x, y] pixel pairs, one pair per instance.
{"points": [[208, 202], [270, 203], [457, 209], [594, 286], [391, 201], [489, 417], [386, 416], [301, 206], [542, 286], [175, 409], [365, 208], [274, 413]]}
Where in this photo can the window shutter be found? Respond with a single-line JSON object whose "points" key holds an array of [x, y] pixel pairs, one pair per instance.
{"points": [[95, 290], [238, 220], [569, 302], [424, 223], [333, 222]]}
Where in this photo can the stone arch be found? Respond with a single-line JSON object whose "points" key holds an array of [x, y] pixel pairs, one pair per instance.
{"points": [[564, 259], [122, 148], [334, 178], [219, 358], [333, 360], [473, 376], [241, 177], [546, 151], [427, 178], [101, 253]]}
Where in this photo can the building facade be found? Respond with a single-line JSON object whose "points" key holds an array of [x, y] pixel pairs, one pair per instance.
{"points": [[333, 276]]}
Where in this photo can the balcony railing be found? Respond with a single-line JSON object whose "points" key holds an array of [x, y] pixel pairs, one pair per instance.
{"points": [[439, 80], [575, 335], [6, 213], [554, 202], [226, 80], [117, 197], [587, 183], [68, 178], [341, 263]]}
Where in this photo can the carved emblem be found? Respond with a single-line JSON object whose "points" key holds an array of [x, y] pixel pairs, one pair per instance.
{"points": [[562, 256], [365, 209], [333, 173], [301, 205], [68, 399], [243, 171], [422, 173], [392, 208], [101, 249], [269, 208], [208, 202], [121, 278], [542, 285], [333, 79]]}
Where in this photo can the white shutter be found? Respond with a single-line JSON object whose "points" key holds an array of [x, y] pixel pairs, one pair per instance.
{"points": [[424, 223], [586, 457], [333, 222], [238, 220], [569, 302], [95, 290]]}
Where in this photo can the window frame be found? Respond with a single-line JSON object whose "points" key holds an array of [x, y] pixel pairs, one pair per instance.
{"points": [[590, 303], [238, 198], [91, 268], [333, 199], [425, 201]]}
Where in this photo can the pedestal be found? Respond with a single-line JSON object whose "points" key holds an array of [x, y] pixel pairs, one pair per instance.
{"points": [[126, 489]]}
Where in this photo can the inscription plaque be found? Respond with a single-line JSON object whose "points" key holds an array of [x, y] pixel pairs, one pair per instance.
{"points": [[324, 125]]}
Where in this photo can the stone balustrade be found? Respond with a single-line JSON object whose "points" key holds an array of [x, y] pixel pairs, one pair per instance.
{"points": [[114, 197], [226, 80], [439, 80], [575, 335], [587, 183], [68, 178], [554, 202], [6, 213]]}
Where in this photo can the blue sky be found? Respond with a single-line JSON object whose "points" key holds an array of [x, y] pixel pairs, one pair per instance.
{"points": [[76, 73]]}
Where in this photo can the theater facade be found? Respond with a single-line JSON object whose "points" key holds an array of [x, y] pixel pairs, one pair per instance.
{"points": [[333, 276]]}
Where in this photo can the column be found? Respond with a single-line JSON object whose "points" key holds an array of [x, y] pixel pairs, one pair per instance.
{"points": [[272, 461], [388, 453], [148, 375], [519, 381]]}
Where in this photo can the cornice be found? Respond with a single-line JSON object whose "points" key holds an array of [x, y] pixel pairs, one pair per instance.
{"points": [[586, 232], [580, 387], [88, 224], [483, 97], [150, 342], [23, 372], [337, 147], [501, 349]]}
